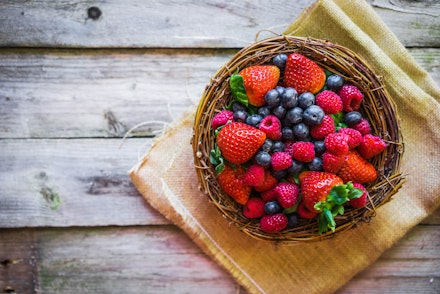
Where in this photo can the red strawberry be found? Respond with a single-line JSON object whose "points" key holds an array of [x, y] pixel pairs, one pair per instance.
{"points": [[231, 181], [272, 126], [357, 169], [238, 142], [303, 74], [303, 151], [355, 137], [258, 80], [351, 97], [269, 183], [363, 127], [332, 163], [327, 126], [254, 175], [337, 143], [273, 223], [371, 146], [254, 208], [222, 118], [329, 101], [304, 212], [315, 187], [287, 194], [281, 160], [362, 200]]}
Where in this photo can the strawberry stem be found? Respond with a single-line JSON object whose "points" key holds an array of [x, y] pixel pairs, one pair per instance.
{"points": [[334, 205]]}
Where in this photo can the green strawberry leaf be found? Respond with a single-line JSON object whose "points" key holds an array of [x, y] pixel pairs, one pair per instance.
{"points": [[236, 83]]}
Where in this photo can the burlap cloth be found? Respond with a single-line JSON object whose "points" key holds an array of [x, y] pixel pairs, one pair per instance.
{"points": [[165, 176]]}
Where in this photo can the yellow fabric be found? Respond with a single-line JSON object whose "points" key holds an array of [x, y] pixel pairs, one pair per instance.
{"points": [[166, 177]]}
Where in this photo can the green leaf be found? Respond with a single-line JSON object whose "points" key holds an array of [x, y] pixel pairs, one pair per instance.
{"points": [[219, 168], [236, 83], [355, 193], [329, 218]]}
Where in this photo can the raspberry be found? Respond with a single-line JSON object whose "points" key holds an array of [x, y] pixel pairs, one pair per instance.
{"points": [[363, 127], [288, 146], [303, 212], [254, 175], [355, 136], [351, 97], [222, 118], [303, 151], [271, 125], [361, 201], [269, 182], [337, 143], [269, 195], [327, 126], [371, 146], [329, 101], [287, 194], [254, 208], [281, 160], [273, 223], [332, 163]]}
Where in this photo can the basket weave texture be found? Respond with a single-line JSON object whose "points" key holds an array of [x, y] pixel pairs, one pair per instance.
{"points": [[377, 107]]}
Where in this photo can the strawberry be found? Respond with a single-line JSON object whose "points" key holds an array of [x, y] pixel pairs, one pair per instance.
{"points": [[327, 126], [325, 193], [303, 74], [254, 175], [329, 101], [303, 212], [254, 208], [371, 146], [273, 223], [287, 194], [357, 169], [258, 80], [238, 142], [231, 181], [351, 97], [222, 118]]}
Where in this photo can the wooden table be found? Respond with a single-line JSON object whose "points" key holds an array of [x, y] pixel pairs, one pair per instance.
{"points": [[74, 79]]}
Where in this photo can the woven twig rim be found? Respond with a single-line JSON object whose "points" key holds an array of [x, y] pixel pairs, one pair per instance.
{"points": [[377, 107]]}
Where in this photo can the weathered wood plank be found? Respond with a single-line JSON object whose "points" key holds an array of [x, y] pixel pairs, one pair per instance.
{"points": [[104, 93], [71, 183], [162, 259]]}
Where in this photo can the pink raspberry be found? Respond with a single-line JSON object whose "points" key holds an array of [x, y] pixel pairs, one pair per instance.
{"points": [[254, 208], [332, 163], [355, 136], [351, 97], [269, 195], [327, 126], [269, 182], [254, 175], [303, 212], [287, 194], [281, 160], [303, 151], [273, 223], [329, 101], [363, 127], [361, 201], [271, 125], [371, 146], [288, 146], [337, 143], [222, 118]]}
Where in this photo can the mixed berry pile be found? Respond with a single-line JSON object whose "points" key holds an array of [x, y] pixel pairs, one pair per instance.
{"points": [[293, 144]]}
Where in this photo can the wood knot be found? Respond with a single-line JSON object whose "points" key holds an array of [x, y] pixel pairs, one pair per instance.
{"points": [[94, 12]]}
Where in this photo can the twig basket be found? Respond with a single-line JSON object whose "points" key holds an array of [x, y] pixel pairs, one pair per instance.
{"points": [[377, 107]]}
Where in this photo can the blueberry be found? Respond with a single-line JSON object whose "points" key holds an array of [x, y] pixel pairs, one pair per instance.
{"points": [[319, 147], [240, 115], [287, 133], [279, 111], [272, 207], [289, 98], [280, 89], [254, 120], [278, 146], [264, 111], [280, 60], [301, 131], [267, 145], [296, 167], [351, 118], [263, 158], [306, 99], [292, 220], [279, 174], [238, 106], [316, 164], [334, 82], [272, 98], [313, 115], [294, 115]]}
